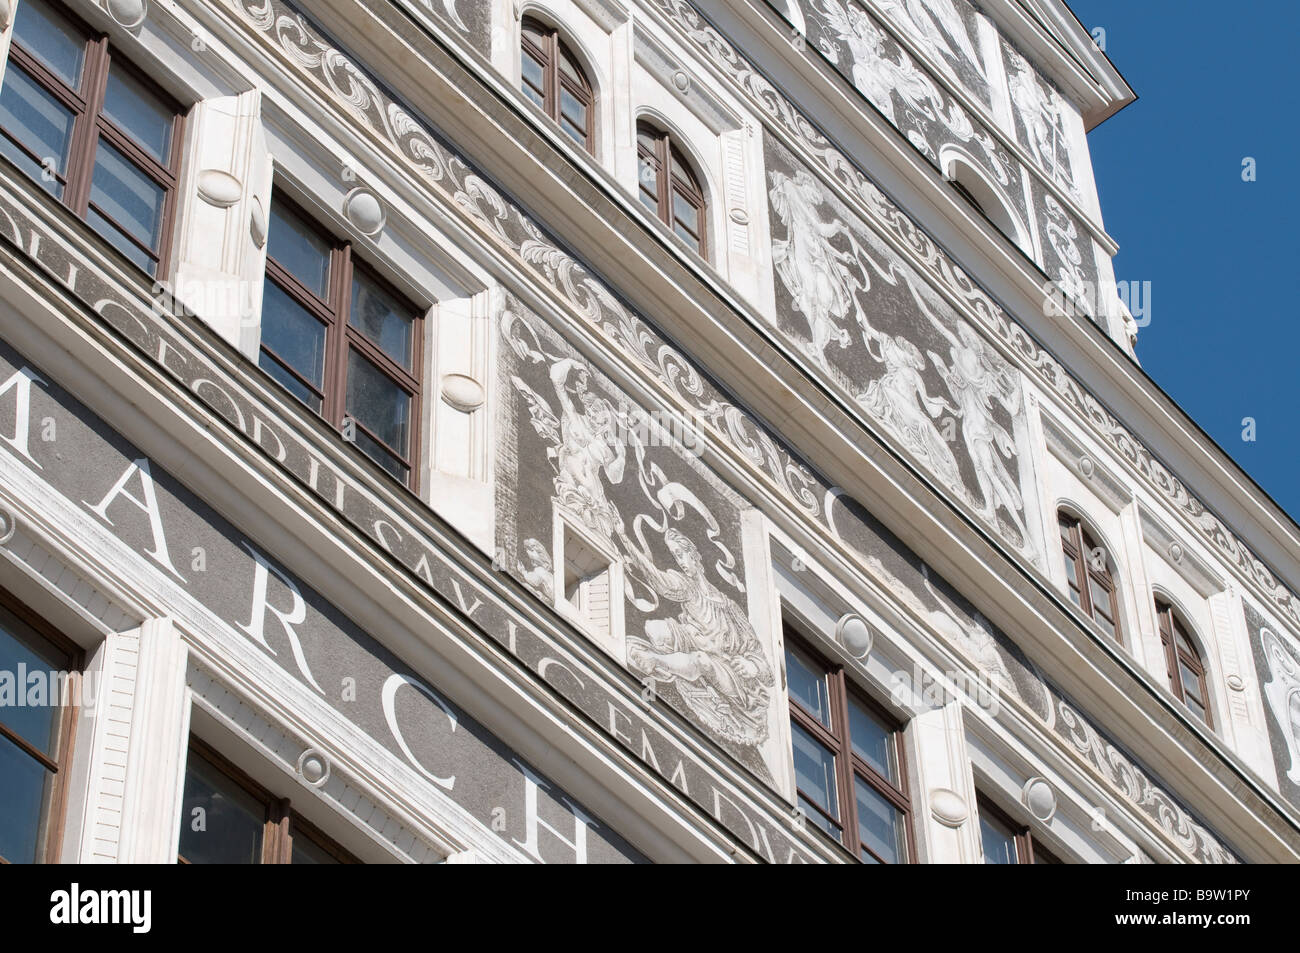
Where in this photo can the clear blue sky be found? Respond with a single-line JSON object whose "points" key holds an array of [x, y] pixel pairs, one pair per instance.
{"points": [[1216, 83]]}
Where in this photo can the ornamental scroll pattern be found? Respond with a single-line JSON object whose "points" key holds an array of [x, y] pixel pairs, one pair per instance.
{"points": [[889, 220], [506, 225]]}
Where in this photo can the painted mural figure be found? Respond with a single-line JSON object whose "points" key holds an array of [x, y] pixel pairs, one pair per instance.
{"points": [[874, 73], [822, 280], [974, 382], [540, 573], [899, 399], [1040, 111], [709, 650], [589, 446], [937, 27]]}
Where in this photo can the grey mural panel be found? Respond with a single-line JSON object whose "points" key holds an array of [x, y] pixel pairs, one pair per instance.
{"points": [[1277, 664], [95, 469], [900, 351], [577, 453]]}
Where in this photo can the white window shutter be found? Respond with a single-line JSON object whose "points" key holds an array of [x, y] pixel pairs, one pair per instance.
{"points": [[223, 219], [8, 10]]}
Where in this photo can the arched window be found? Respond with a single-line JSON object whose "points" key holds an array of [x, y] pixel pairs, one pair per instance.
{"points": [[1186, 670], [552, 78], [1087, 570], [668, 187]]}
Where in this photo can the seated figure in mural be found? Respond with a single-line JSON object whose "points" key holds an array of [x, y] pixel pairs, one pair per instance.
{"points": [[709, 651], [899, 400]]}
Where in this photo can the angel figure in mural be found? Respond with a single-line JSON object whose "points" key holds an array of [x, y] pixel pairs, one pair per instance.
{"points": [[1040, 110], [587, 441], [874, 74], [540, 571], [937, 27], [975, 380], [708, 651], [899, 400], [822, 280]]}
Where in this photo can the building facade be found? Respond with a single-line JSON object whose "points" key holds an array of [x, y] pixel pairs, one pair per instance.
{"points": [[604, 431]]}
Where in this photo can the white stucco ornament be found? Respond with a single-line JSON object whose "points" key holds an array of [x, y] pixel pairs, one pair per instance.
{"points": [[365, 211], [1039, 796], [8, 523], [855, 635], [1086, 467], [462, 392], [6, 13], [314, 767], [220, 188], [1176, 552], [681, 81], [129, 13], [948, 807], [257, 222], [1236, 682]]}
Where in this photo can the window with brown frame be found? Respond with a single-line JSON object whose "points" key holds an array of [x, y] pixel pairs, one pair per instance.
{"points": [[227, 818], [1087, 571], [35, 733], [552, 78], [341, 340], [1186, 669], [668, 187], [848, 759], [95, 132], [1007, 842]]}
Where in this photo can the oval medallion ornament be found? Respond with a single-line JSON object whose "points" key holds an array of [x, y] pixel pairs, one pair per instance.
{"points": [[1235, 682], [314, 767], [219, 188], [129, 13], [257, 223], [462, 392], [855, 635], [8, 526], [1040, 798], [948, 807], [365, 211]]}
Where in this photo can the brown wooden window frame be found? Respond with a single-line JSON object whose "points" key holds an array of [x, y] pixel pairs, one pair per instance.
{"points": [[281, 822], [848, 763], [55, 811], [341, 337], [90, 125], [1170, 623], [1077, 545], [1028, 849], [664, 158], [552, 51]]}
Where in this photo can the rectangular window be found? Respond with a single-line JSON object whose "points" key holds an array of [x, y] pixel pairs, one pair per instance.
{"points": [[98, 135], [1006, 842], [343, 342], [228, 818], [849, 770], [38, 672]]}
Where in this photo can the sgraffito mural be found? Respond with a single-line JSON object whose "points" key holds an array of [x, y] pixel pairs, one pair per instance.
{"points": [[866, 50], [901, 352], [635, 488], [1277, 664]]}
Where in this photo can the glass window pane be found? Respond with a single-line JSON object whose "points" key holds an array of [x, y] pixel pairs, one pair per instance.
{"points": [[37, 724], [378, 403], [807, 685], [999, 843], [299, 249], [1191, 681], [880, 824], [127, 196], [577, 134], [25, 787], [686, 214], [40, 122], [53, 40], [383, 319], [572, 109], [570, 68], [872, 740], [817, 819], [1071, 571], [1100, 596], [221, 823], [307, 851], [533, 74], [117, 238], [140, 113], [814, 771], [296, 335]]}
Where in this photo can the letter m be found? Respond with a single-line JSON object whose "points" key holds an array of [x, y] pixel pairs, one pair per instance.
{"points": [[21, 384]]}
